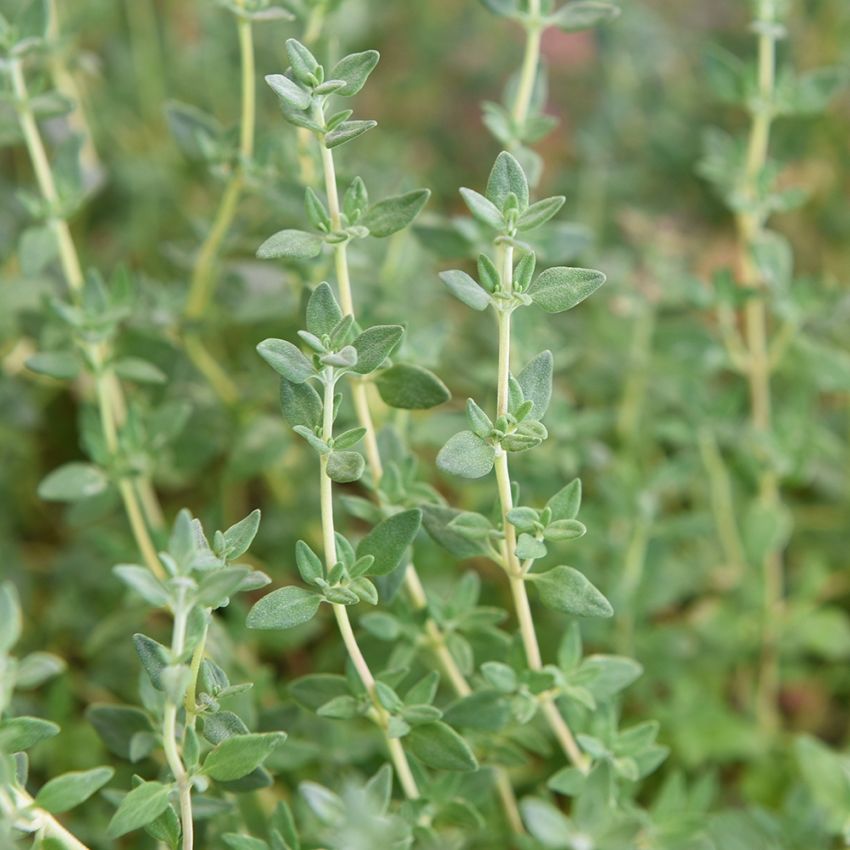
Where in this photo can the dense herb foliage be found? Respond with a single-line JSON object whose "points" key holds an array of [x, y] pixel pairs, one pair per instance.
{"points": [[550, 557]]}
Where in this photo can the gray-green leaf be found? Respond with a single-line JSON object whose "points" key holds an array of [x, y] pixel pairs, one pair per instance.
{"points": [[465, 289], [292, 244], [561, 288], [466, 455], [388, 541], [439, 746], [72, 482], [284, 608], [144, 803], [64, 792], [394, 214], [410, 387], [237, 756], [567, 590], [286, 359]]}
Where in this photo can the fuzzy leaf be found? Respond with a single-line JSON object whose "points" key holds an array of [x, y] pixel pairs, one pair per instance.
{"points": [[323, 310], [437, 745], [505, 177], [374, 345], [410, 387], [142, 805], [284, 608], [535, 380], [289, 91], [561, 288], [466, 455], [465, 289], [388, 541], [300, 404], [354, 70], [237, 756], [567, 590], [72, 482], [583, 15], [345, 467], [394, 214], [292, 245], [286, 359], [69, 790]]}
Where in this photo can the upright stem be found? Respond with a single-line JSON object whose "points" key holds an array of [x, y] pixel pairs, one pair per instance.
{"points": [[169, 735], [110, 398], [751, 222], [530, 62], [397, 754], [202, 285], [513, 567]]}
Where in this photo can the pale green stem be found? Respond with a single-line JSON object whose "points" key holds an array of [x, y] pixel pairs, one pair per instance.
{"points": [[514, 569], [750, 226], [397, 754], [169, 733], [530, 62], [109, 395], [202, 285], [413, 583]]}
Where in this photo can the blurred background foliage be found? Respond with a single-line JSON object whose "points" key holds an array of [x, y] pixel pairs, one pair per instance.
{"points": [[645, 409]]}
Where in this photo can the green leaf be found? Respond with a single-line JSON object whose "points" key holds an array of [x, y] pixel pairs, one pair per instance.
{"points": [[139, 370], [10, 617], [218, 586], [239, 537], [539, 213], [143, 582], [438, 521], [408, 387], [323, 310], [21, 733], [529, 547], [117, 725], [37, 249], [237, 756], [535, 380], [304, 64], [394, 214], [345, 467], [546, 823], [567, 590], [62, 365], [561, 288], [289, 91], [566, 502], [465, 289], [300, 404], [291, 244], [37, 667], [388, 541], [354, 70], [308, 562], [583, 15], [467, 455], [483, 209], [374, 345], [437, 745], [606, 675], [284, 608], [286, 359], [507, 176], [144, 803], [347, 131], [72, 482], [154, 657], [64, 792]]}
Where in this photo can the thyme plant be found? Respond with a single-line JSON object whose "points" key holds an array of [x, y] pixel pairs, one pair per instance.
{"points": [[441, 636]]}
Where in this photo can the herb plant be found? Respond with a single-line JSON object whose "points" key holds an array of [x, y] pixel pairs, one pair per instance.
{"points": [[544, 564]]}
